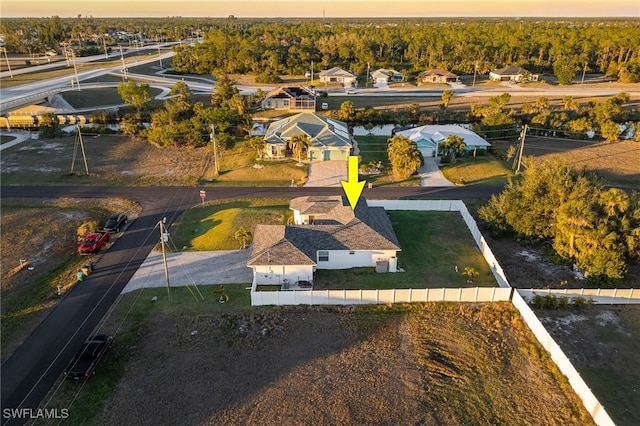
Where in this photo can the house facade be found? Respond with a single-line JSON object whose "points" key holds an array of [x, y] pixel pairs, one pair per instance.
{"points": [[429, 138], [290, 98], [514, 74], [438, 76], [338, 75], [330, 139], [326, 234], [386, 76]]}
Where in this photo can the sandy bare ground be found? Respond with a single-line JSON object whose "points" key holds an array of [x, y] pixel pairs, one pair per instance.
{"points": [[446, 364]]}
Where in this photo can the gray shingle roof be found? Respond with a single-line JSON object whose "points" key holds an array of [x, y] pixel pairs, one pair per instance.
{"points": [[340, 228]]}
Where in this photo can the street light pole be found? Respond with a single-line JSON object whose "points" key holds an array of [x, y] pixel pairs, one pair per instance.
{"points": [[164, 235]]}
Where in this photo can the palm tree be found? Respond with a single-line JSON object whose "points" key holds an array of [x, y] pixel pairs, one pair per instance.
{"points": [[453, 145], [470, 273], [298, 144], [242, 235]]}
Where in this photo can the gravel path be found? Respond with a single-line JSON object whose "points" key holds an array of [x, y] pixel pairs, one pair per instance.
{"points": [[189, 268]]}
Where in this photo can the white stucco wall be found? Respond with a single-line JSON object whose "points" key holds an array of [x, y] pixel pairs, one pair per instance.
{"points": [[342, 259], [274, 274]]}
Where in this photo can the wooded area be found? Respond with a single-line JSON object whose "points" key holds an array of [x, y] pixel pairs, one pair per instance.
{"points": [[294, 46]]}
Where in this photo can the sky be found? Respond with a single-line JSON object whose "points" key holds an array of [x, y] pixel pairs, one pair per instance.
{"points": [[320, 8]]}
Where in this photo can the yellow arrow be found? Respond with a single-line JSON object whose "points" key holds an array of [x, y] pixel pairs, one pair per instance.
{"points": [[352, 187]]}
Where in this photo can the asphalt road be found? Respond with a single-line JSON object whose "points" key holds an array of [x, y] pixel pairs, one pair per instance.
{"points": [[35, 366]]}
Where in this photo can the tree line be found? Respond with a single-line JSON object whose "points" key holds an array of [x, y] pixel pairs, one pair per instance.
{"points": [[274, 47], [412, 46]]}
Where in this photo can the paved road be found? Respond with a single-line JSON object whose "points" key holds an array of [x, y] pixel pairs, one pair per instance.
{"points": [[34, 367]]}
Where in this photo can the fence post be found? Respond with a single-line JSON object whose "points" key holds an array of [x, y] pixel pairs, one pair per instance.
{"points": [[613, 296], [410, 295], [442, 296], [475, 297], [426, 295], [493, 293], [459, 294]]}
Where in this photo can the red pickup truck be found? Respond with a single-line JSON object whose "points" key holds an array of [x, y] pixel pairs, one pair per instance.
{"points": [[93, 242]]}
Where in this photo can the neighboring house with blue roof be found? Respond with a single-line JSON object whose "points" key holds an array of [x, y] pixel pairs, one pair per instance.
{"points": [[326, 234], [330, 139], [429, 138]]}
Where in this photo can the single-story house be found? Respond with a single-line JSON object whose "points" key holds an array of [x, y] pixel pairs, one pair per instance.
{"points": [[386, 76], [515, 74], [429, 137], [290, 98], [330, 139], [438, 76], [338, 75], [326, 234]]}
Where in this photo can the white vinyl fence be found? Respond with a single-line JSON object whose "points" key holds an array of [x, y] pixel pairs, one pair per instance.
{"points": [[372, 297], [600, 296]]}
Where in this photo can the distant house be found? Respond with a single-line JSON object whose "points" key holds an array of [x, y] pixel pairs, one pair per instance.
{"points": [[338, 75], [330, 139], [386, 76], [515, 74], [290, 98], [326, 234], [438, 76], [429, 138]]}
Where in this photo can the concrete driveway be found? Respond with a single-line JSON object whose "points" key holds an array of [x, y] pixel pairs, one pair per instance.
{"points": [[430, 174], [327, 173], [193, 268]]}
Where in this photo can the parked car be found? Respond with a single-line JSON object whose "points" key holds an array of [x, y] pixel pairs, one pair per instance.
{"points": [[352, 92], [116, 222], [84, 363], [93, 242]]}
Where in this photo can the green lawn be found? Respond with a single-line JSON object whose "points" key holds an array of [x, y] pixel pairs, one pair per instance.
{"points": [[212, 226], [433, 244], [237, 168], [479, 170], [374, 149]]}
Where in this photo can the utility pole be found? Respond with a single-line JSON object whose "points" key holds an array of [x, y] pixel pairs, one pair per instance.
{"points": [[104, 44], [4, 49], [212, 136], [475, 68], [124, 69], [159, 56], [366, 80], [523, 135], [75, 151], [584, 70], [75, 68], [164, 237]]}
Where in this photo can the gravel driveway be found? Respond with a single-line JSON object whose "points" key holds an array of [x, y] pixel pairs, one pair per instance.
{"points": [[189, 268]]}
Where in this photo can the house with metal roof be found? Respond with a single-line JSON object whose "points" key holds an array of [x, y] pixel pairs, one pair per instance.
{"points": [[515, 74], [428, 138], [338, 75], [290, 98], [326, 234], [330, 139]]}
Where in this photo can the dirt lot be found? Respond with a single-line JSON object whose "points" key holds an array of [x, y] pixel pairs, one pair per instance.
{"points": [[603, 343], [343, 366], [111, 160], [618, 162]]}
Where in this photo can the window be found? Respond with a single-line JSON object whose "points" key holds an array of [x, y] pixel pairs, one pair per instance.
{"points": [[323, 256]]}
